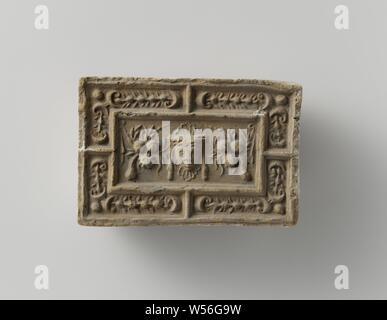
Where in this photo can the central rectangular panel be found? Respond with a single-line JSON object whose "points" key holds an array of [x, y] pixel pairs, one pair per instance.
{"points": [[131, 174]]}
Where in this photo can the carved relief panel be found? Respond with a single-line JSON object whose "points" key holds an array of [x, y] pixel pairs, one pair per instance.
{"points": [[117, 188]]}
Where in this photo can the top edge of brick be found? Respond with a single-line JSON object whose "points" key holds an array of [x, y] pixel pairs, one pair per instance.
{"points": [[280, 85]]}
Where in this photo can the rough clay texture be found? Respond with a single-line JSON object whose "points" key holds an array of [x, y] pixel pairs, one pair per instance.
{"points": [[116, 189]]}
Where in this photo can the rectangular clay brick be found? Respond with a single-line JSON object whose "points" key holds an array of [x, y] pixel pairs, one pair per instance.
{"points": [[116, 189]]}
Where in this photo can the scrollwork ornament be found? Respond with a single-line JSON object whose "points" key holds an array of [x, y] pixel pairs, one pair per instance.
{"points": [[278, 126], [97, 184], [233, 100], [231, 205], [277, 179], [99, 132], [142, 203], [142, 98]]}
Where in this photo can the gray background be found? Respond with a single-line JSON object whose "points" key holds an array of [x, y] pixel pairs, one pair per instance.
{"points": [[343, 158]]}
